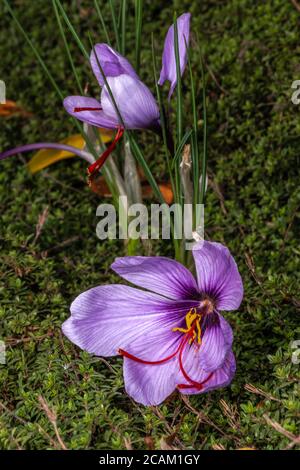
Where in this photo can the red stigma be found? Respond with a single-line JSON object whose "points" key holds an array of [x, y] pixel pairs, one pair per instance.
{"points": [[192, 383], [92, 169], [141, 361], [78, 110]]}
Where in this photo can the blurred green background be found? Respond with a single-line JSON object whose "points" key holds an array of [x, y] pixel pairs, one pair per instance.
{"points": [[251, 50]]}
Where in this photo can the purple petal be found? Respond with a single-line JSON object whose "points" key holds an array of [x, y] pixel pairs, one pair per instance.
{"points": [[134, 100], [218, 275], [147, 383], [112, 63], [95, 118], [227, 331], [221, 377], [216, 342], [158, 274], [47, 145], [150, 384], [106, 318], [168, 71]]}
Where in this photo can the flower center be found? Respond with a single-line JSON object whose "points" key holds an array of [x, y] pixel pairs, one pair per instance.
{"points": [[193, 327], [191, 334], [207, 306]]}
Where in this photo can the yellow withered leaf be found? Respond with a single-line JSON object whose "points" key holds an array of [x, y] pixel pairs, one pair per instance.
{"points": [[46, 157]]}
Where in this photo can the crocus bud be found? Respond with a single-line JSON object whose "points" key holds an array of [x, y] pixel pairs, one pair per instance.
{"points": [[168, 71]]}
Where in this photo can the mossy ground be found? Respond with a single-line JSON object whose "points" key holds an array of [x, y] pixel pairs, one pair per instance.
{"points": [[252, 52]]}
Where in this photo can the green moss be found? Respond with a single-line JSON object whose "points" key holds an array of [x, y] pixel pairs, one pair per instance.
{"points": [[252, 51]]}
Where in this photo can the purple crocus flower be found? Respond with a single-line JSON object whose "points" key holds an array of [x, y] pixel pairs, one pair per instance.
{"points": [[171, 333], [133, 98], [168, 71], [135, 102]]}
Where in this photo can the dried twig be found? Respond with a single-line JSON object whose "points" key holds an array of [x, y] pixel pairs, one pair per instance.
{"points": [[258, 391], [51, 415], [216, 188], [62, 185], [231, 414], [202, 417], [295, 440], [63, 244], [25, 423], [127, 443], [15, 341], [251, 266], [296, 5], [41, 222], [218, 447], [172, 434], [213, 76], [290, 224], [185, 174]]}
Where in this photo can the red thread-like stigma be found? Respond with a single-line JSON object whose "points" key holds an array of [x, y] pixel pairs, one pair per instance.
{"points": [[192, 383], [92, 169], [78, 110]]}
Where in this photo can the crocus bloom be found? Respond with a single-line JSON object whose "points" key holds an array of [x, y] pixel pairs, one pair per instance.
{"points": [[170, 334], [136, 106], [133, 98], [168, 71]]}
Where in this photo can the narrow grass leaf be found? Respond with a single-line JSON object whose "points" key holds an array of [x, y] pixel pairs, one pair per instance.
{"points": [[204, 157], [103, 25], [72, 30], [178, 86], [123, 26], [115, 24], [163, 122], [141, 160], [138, 32], [194, 142], [66, 44]]}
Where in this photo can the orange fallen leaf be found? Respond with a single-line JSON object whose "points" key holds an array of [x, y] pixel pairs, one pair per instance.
{"points": [[99, 186], [166, 191], [10, 108]]}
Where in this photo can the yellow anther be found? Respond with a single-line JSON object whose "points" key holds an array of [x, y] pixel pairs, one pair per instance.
{"points": [[192, 320]]}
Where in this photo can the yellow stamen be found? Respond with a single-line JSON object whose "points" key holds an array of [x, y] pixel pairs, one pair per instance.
{"points": [[192, 320]]}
